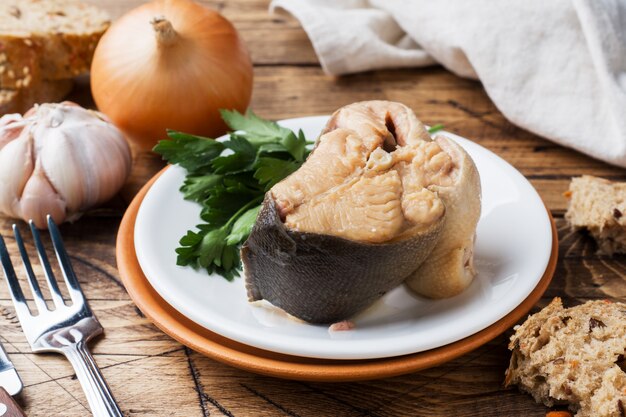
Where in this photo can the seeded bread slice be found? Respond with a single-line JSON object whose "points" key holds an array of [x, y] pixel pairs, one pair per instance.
{"points": [[47, 39], [599, 206], [573, 356], [22, 99]]}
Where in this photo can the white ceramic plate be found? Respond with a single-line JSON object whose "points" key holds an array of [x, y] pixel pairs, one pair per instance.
{"points": [[513, 247]]}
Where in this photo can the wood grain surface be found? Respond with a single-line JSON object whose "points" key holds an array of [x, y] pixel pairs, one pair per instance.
{"points": [[152, 375]]}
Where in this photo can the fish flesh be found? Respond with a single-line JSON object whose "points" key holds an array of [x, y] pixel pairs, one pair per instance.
{"points": [[449, 269], [355, 220]]}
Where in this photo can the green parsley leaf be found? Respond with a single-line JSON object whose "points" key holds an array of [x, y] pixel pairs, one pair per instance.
{"points": [[240, 159], [270, 171], [207, 249], [233, 163], [240, 145], [214, 215], [295, 146], [194, 153], [199, 187], [272, 148], [260, 131], [435, 128], [243, 226]]}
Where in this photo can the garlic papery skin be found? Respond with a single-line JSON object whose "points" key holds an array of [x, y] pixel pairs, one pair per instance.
{"points": [[64, 160]]}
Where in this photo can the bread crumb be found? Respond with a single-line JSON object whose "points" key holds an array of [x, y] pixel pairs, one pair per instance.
{"points": [[575, 361], [598, 205]]}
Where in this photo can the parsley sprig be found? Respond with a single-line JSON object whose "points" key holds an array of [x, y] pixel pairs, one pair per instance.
{"points": [[434, 129], [229, 179]]}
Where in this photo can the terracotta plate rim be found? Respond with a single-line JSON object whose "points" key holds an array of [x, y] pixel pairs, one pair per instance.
{"points": [[248, 358]]}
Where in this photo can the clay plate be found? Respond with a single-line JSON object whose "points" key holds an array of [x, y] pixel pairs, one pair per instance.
{"points": [[265, 362]]}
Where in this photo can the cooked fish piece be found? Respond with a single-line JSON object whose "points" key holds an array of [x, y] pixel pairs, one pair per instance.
{"points": [[359, 216], [321, 278], [349, 137], [394, 122], [449, 269], [341, 153], [365, 209]]}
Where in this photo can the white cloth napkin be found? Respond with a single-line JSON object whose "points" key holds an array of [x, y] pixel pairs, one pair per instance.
{"points": [[554, 67]]}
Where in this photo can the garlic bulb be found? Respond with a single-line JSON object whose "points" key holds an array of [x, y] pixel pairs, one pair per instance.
{"points": [[59, 159]]}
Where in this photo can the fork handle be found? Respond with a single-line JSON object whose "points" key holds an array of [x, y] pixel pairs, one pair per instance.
{"points": [[8, 406], [96, 390]]}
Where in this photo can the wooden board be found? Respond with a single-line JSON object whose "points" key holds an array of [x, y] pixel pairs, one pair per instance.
{"points": [[152, 375]]}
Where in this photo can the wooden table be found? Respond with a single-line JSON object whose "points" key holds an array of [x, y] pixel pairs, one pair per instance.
{"points": [[152, 375]]}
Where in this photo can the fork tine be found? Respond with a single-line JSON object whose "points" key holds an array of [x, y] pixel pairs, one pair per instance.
{"points": [[45, 263], [64, 260], [32, 280], [14, 285]]}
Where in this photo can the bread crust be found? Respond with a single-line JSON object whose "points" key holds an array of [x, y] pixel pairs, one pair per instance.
{"points": [[22, 99], [47, 40]]}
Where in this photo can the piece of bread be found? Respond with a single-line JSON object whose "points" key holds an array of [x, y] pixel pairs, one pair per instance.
{"points": [[47, 39], [573, 356], [22, 99], [599, 206]]}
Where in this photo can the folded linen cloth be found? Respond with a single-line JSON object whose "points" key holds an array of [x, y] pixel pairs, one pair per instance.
{"points": [[556, 68]]}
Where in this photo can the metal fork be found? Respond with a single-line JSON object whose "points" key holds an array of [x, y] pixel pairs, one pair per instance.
{"points": [[67, 328]]}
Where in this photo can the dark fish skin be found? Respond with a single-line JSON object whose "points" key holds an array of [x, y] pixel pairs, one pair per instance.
{"points": [[321, 278]]}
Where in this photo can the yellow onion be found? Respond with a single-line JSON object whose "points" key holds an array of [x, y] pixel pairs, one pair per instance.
{"points": [[170, 64]]}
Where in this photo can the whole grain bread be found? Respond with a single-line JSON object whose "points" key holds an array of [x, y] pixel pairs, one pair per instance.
{"points": [[22, 99], [47, 40], [573, 356], [599, 206]]}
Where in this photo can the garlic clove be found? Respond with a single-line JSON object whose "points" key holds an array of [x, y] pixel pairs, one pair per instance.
{"points": [[10, 128], [84, 158], [62, 166], [40, 199], [16, 160]]}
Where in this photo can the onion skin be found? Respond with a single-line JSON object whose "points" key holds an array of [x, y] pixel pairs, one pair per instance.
{"points": [[147, 83]]}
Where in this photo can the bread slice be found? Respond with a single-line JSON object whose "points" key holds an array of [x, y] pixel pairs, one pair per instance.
{"points": [[599, 206], [573, 356], [47, 39], [22, 99]]}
